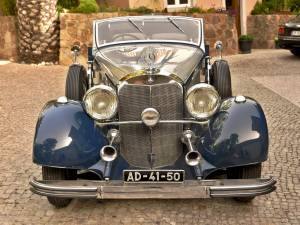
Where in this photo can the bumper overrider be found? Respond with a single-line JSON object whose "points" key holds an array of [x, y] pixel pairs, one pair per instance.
{"points": [[122, 190]]}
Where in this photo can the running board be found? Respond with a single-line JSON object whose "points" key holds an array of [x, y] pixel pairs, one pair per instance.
{"points": [[186, 190]]}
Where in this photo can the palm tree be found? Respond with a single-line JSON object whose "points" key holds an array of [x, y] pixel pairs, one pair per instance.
{"points": [[38, 30]]}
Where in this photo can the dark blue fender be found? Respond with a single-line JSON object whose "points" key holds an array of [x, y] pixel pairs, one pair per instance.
{"points": [[66, 137], [237, 135]]}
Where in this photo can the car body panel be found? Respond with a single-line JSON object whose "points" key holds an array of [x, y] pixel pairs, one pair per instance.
{"points": [[237, 135], [67, 137]]}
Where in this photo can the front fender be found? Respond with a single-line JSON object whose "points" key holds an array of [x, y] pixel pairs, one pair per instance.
{"points": [[237, 135], [66, 136]]}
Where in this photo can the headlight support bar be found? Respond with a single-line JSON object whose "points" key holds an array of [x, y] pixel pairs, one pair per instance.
{"points": [[107, 123]]}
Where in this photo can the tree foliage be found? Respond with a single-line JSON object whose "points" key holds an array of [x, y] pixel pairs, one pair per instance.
{"points": [[8, 7], [68, 4], [294, 5], [86, 6], [268, 7]]}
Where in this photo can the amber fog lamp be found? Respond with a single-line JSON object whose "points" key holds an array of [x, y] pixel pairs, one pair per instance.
{"points": [[150, 117], [202, 101], [101, 102]]}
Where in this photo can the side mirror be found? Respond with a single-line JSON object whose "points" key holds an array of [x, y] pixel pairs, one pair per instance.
{"points": [[219, 48], [75, 50]]}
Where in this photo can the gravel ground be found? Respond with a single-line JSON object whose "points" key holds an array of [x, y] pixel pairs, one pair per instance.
{"points": [[265, 75]]}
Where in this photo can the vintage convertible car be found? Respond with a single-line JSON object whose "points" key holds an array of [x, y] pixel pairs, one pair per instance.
{"points": [[150, 118]]}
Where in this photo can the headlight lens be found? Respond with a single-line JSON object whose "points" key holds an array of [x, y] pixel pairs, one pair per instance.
{"points": [[101, 102], [202, 100]]}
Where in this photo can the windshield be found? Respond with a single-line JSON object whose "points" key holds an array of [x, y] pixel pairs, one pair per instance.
{"points": [[148, 28]]}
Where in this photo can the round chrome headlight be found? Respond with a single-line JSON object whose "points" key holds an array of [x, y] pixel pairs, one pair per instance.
{"points": [[101, 102], [202, 100]]}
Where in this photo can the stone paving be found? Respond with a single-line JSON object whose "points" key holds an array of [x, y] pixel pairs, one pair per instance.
{"points": [[24, 90]]}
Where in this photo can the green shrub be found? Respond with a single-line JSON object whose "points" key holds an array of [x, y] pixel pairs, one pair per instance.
{"points": [[294, 5], [8, 7], [141, 9], [86, 6], [247, 37], [211, 10], [67, 4], [195, 10], [268, 7], [103, 8]]}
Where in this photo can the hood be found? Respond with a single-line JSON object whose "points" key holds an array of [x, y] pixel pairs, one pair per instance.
{"points": [[126, 61]]}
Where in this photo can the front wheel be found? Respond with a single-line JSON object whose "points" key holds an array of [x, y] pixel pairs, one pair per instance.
{"points": [[296, 51], [221, 78], [51, 173], [76, 82], [244, 172]]}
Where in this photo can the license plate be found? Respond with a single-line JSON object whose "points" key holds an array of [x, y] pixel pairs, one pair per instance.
{"points": [[296, 33], [153, 176]]}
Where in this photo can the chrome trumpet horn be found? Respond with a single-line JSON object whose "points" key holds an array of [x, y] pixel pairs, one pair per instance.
{"points": [[193, 157], [108, 152]]}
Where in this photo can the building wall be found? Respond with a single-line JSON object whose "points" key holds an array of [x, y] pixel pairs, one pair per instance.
{"points": [[152, 4], [250, 5], [8, 38], [162, 4], [207, 4], [116, 3]]}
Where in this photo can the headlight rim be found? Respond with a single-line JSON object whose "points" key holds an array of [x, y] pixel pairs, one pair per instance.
{"points": [[207, 115], [103, 87]]}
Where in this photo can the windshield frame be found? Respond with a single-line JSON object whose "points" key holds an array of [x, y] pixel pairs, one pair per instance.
{"points": [[98, 46]]}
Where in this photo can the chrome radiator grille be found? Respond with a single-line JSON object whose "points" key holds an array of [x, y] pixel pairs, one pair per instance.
{"points": [[159, 146]]}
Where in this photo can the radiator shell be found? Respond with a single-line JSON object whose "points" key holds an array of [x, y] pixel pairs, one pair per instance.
{"points": [[155, 147]]}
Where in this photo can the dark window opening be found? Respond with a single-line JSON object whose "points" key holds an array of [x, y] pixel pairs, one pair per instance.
{"points": [[229, 4], [183, 1], [171, 2]]}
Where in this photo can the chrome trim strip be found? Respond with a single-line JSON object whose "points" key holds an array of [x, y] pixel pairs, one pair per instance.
{"points": [[243, 194], [289, 38], [44, 186], [161, 122], [62, 194], [264, 184]]}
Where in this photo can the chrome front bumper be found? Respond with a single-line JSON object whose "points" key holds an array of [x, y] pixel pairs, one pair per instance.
{"points": [[185, 190]]}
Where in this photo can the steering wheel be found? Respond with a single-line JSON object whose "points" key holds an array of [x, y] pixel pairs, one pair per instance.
{"points": [[122, 37]]}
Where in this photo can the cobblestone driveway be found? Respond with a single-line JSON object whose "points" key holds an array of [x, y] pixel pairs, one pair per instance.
{"points": [[24, 89]]}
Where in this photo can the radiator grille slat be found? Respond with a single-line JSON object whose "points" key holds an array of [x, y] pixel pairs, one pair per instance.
{"points": [[162, 141]]}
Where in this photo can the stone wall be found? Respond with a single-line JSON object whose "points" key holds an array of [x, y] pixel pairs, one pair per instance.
{"points": [[8, 38], [264, 28], [78, 28]]}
